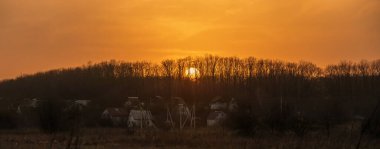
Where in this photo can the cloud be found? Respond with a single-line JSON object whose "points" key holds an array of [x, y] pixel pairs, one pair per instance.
{"points": [[44, 34]]}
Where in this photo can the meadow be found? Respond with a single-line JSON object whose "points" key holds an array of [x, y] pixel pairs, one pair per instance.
{"points": [[341, 137]]}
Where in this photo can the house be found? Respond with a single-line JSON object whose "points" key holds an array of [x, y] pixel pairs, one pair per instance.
{"points": [[34, 103], [216, 118], [219, 103], [82, 103], [118, 116], [28, 104], [156, 100], [233, 105], [132, 102], [140, 118], [159, 98], [223, 103], [358, 118], [76, 104]]}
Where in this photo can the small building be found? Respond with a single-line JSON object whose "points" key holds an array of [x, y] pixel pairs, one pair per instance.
{"points": [[222, 103], [156, 100], [83, 103], [28, 104], [140, 118], [233, 105], [219, 103], [118, 116], [358, 118], [132, 102], [216, 118], [72, 105]]}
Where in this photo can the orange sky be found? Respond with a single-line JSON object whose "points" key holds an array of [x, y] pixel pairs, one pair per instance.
{"points": [[37, 35]]}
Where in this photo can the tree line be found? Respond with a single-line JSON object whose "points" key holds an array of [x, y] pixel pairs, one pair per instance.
{"points": [[338, 91], [216, 75]]}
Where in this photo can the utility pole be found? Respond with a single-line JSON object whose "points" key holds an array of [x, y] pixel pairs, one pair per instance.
{"points": [[141, 119], [180, 118]]}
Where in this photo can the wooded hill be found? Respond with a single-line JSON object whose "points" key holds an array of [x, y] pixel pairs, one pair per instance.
{"points": [[349, 87]]}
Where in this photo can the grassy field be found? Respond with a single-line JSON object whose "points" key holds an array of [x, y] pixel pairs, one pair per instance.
{"points": [[116, 138]]}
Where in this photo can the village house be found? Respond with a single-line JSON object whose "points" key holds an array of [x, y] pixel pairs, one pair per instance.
{"points": [[222, 103], [83, 103], [233, 105], [156, 100], [219, 103], [132, 102], [118, 116], [28, 104], [218, 106], [216, 118], [76, 104]]}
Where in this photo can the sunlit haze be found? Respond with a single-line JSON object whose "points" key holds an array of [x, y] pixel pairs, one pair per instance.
{"points": [[38, 35]]}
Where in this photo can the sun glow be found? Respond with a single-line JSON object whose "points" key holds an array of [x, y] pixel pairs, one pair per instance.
{"points": [[192, 72]]}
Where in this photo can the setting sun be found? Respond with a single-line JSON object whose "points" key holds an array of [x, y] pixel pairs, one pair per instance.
{"points": [[192, 72]]}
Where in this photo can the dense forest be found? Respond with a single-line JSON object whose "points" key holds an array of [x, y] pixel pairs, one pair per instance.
{"points": [[337, 92]]}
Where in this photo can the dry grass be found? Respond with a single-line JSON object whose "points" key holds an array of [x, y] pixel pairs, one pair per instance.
{"points": [[104, 138]]}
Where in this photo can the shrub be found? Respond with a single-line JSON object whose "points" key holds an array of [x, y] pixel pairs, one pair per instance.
{"points": [[7, 120], [242, 120], [51, 114]]}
